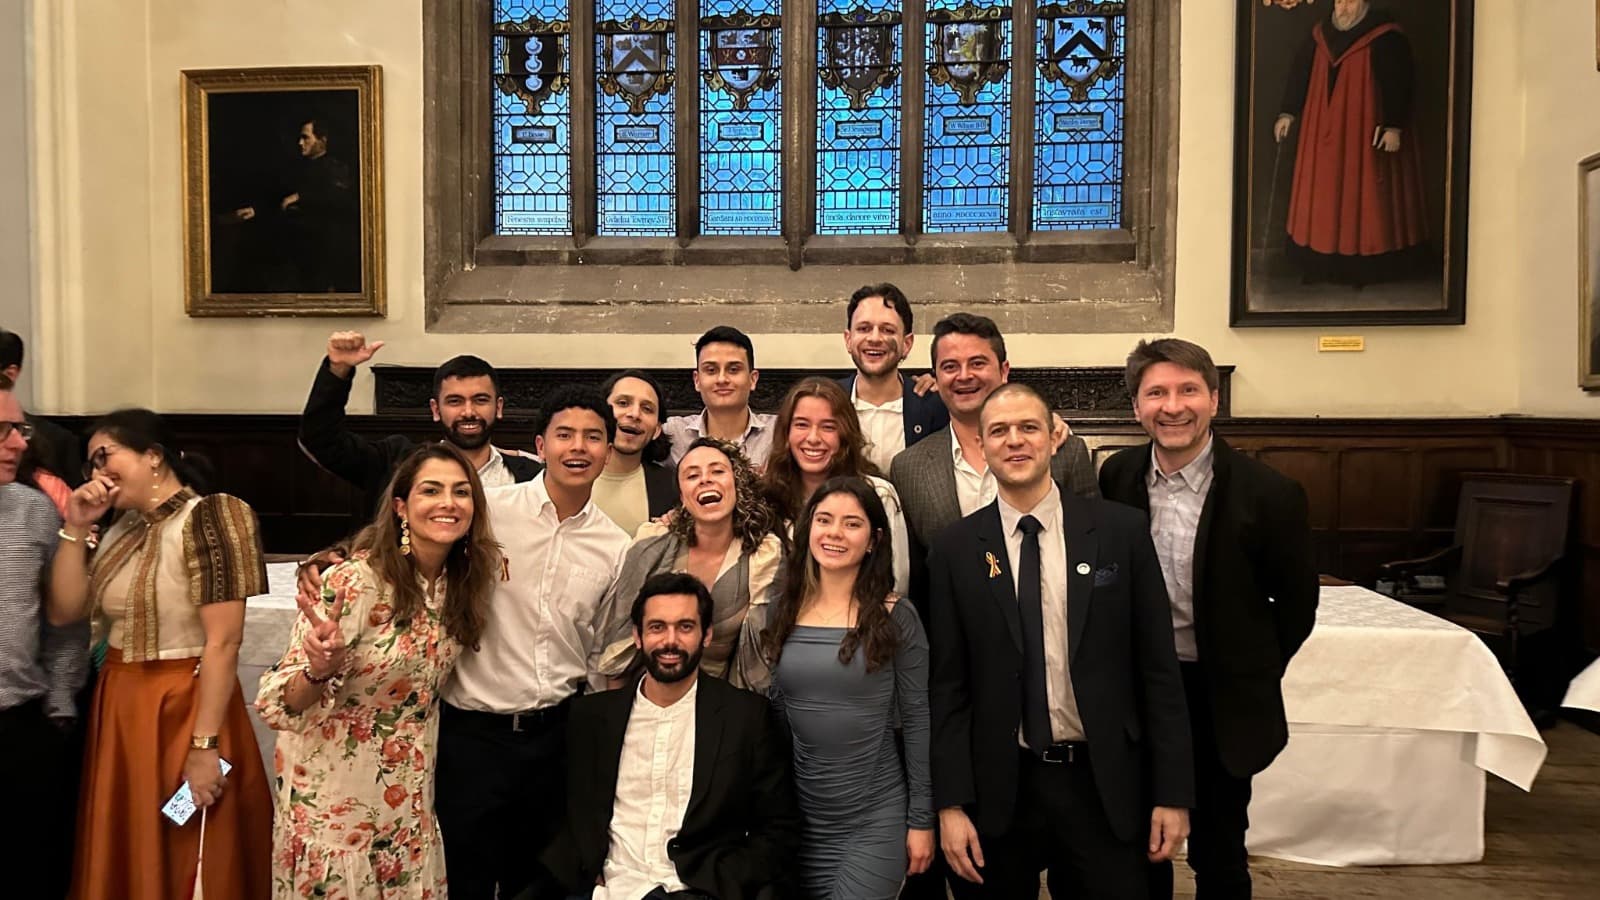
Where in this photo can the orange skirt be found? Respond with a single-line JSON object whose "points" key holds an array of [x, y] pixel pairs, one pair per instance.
{"points": [[138, 740]]}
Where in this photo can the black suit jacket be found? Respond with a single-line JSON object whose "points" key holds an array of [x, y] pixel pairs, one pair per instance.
{"points": [[660, 487], [742, 827], [364, 462], [1120, 653], [1255, 591], [923, 415]]}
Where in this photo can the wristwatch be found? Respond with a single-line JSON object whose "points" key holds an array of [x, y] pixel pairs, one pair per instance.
{"points": [[203, 742]]}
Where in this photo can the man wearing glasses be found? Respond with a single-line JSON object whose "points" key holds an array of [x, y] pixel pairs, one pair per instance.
{"points": [[41, 668], [54, 448]]}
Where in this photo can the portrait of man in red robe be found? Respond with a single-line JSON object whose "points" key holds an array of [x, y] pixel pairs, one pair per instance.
{"points": [[1357, 212]]}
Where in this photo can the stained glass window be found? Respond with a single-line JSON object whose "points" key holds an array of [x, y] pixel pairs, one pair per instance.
{"points": [[1079, 99], [532, 117], [741, 117], [967, 116], [635, 165], [858, 117]]}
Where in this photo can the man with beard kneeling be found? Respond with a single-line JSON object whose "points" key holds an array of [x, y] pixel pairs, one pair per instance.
{"points": [[680, 788]]}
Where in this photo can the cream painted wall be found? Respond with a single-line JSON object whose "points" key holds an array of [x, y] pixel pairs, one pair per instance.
{"points": [[111, 256]]}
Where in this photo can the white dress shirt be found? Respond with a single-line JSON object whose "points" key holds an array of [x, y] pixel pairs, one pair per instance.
{"points": [[552, 608], [883, 426], [1065, 724], [974, 489], [756, 442], [1176, 502], [493, 472], [655, 776], [899, 539]]}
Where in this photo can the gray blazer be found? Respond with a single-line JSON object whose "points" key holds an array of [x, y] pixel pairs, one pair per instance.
{"points": [[924, 475]]}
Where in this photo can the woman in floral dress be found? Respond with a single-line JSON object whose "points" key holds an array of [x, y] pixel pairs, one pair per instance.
{"points": [[355, 696]]}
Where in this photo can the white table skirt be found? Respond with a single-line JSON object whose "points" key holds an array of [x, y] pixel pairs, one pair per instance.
{"points": [[1584, 691], [1394, 717]]}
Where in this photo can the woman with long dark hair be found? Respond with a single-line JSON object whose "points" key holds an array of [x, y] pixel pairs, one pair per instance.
{"points": [[818, 437], [166, 587], [355, 696], [723, 533], [850, 662]]}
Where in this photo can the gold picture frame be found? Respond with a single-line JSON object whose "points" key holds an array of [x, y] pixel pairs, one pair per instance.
{"points": [[1589, 273], [283, 191]]}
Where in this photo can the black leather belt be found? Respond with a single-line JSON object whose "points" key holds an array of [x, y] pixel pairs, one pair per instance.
{"points": [[517, 722], [1066, 753]]}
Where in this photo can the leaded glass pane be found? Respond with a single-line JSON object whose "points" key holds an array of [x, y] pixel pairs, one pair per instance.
{"points": [[858, 117], [967, 116], [635, 170], [1079, 112], [741, 117], [532, 117]]}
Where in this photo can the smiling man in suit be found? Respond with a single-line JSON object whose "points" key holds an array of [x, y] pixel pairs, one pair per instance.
{"points": [[678, 789], [1235, 549], [1059, 732], [878, 338]]}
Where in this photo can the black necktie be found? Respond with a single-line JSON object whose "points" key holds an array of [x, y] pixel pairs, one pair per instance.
{"points": [[1030, 606]]}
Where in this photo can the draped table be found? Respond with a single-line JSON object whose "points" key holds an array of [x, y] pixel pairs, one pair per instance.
{"points": [[1584, 691], [1395, 716]]}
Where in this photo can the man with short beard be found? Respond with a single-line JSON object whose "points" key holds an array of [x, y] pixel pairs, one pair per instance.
{"points": [[878, 337], [466, 403], [636, 758], [638, 484]]}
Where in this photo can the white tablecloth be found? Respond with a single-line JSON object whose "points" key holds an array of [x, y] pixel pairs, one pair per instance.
{"points": [[1394, 716], [1584, 691]]}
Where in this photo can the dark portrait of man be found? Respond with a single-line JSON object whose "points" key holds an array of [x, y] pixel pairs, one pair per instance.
{"points": [[286, 217], [1358, 212]]}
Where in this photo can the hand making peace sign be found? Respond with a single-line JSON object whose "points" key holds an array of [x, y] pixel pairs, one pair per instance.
{"points": [[323, 642]]}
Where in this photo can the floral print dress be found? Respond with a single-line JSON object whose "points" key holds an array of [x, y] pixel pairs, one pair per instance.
{"points": [[355, 771]]}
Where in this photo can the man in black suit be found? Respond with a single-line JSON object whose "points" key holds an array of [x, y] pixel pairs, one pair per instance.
{"points": [[1235, 550], [680, 787], [1059, 733], [878, 338]]}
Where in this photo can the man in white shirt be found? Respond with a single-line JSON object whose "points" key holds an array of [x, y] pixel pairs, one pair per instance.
{"points": [[724, 375], [678, 789], [638, 483], [878, 338], [502, 733]]}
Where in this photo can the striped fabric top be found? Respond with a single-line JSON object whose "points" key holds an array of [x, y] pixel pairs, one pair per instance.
{"points": [[36, 661]]}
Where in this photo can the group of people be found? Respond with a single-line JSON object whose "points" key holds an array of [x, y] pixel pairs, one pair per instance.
{"points": [[823, 653]]}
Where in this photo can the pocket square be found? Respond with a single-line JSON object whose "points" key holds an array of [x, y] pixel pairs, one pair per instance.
{"points": [[1105, 577]]}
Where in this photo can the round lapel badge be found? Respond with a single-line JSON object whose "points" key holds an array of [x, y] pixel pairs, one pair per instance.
{"points": [[1083, 568]]}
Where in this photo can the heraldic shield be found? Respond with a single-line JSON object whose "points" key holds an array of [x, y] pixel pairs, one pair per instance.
{"points": [[532, 63], [743, 48], [859, 53], [1080, 44], [968, 48], [635, 59]]}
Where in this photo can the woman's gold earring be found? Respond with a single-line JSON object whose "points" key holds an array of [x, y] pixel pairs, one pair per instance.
{"points": [[405, 538]]}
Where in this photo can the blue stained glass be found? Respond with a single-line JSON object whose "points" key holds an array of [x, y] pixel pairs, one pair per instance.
{"points": [[635, 166], [532, 117], [741, 117], [1078, 116], [967, 120], [858, 117]]}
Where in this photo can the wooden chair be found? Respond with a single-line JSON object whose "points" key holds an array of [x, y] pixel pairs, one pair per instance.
{"points": [[1503, 576]]}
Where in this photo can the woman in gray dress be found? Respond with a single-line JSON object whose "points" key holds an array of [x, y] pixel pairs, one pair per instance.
{"points": [[850, 661]]}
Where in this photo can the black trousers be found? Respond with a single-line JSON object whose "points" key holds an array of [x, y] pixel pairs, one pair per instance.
{"points": [[37, 771], [1221, 815], [500, 794], [1061, 829]]}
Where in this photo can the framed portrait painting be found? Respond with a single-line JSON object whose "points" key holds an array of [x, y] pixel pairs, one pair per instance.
{"points": [[1589, 273], [1350, 162], [283, 191]]}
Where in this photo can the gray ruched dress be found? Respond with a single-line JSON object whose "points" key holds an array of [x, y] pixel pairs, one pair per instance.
{"points": [[857, 797]]}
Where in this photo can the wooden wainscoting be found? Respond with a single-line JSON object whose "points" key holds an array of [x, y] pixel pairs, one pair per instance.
{"points": [[1379, 489]]}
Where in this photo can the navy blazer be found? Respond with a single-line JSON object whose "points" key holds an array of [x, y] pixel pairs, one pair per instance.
{"points": [[923, 415]]}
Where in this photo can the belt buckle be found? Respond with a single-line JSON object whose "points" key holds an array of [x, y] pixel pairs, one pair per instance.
{"points": [[1061, 754], [516, 723]]}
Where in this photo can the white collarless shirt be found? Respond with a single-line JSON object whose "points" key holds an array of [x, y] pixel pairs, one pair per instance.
{"points": [[552, 609], [655, 776], [1065, 723]]}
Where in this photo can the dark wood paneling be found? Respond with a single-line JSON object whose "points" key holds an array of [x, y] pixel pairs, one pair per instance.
{"points": [[1376, 487]]}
